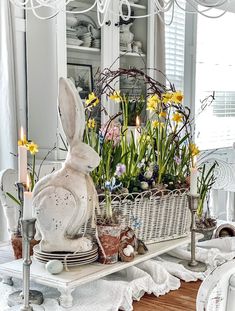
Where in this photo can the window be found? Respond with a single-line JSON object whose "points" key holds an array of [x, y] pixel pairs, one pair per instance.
{"points": [[174, 47], [215, 72]]}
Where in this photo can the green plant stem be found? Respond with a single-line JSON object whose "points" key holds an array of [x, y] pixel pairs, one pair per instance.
{"points": [[108, 204], [13, 198]]}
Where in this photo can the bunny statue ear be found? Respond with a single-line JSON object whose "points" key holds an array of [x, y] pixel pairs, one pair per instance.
{"points": [[71, 111]]}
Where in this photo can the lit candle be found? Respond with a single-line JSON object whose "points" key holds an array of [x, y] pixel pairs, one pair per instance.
{"points": [[137, 130], [28, 197], [22, 159], [193, 178]]}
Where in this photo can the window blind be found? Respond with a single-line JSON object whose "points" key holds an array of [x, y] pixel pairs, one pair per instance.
{"points": [[174, 47]]}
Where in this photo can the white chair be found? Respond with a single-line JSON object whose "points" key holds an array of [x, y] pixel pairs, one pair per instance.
{"points": [[217, 291], [8, 179], [223, 203]]}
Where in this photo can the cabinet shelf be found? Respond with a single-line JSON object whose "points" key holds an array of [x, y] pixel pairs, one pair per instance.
{"points": [[83, 49]]}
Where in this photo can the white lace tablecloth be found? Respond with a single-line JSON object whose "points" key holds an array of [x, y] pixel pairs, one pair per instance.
{"points": [[117, 291]]}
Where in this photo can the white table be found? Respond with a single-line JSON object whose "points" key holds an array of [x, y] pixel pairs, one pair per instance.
{"points": [[66, 282]]}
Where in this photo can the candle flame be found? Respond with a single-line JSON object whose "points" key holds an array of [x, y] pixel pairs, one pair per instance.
{"points": [[27, 183], [137, 121], [21, 133]]}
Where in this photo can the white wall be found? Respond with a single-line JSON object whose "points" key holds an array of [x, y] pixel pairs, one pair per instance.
{"points": [[42, 81]]}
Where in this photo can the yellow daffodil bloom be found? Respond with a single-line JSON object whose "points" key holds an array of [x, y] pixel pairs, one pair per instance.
{"points": [[156, 124], [177, 97], [162, 114], [91, 123], [166, 97], [32, 147], [116, 96], [22, 142], [153, 102], [194, 149], [177, 117], [92, 100]]}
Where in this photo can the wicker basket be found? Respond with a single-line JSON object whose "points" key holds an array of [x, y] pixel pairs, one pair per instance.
{"points": [[155, 215]]}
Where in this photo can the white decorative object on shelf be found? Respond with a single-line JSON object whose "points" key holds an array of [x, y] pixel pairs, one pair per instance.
{"points": [[64, 200], [126, 37]]}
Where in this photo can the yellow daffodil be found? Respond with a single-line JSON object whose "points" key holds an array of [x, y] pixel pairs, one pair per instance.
{"points": [[91, 123], [194, 149], [162, 114], [156, 124], [116, 96], [153, 102], [177, 97], [92, 100], [32, 147], [22, 142], [177, 117], [166, 97]]}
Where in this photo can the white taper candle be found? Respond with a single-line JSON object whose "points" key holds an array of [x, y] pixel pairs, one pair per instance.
{"points": [[28, 198], [22, 160]]}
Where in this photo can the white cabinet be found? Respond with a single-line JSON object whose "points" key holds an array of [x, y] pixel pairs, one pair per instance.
{"points": [[49, 53]]}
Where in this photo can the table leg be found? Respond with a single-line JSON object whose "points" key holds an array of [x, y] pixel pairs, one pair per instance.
{"points": [[7, 280], [66, 298]]}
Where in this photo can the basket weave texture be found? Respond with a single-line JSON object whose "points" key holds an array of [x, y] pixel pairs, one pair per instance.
{"points": [[155, 215]]}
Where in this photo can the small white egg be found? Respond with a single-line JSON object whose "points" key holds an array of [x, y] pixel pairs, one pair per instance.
{"points": [[54, 266], [127, 251], [131, 248]]}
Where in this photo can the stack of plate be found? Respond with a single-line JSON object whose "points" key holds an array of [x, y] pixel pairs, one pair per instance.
{"points": [[72, 259], [72, 36], [86, 38], [96, 43]]}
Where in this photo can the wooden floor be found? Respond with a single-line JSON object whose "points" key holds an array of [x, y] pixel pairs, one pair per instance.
{"points": [[182, 299]]}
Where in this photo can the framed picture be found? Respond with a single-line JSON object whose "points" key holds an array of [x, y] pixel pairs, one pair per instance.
{"points": [[82, 77]]}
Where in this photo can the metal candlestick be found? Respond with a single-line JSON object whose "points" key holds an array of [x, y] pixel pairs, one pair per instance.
{"points": [[28, 231], [21, 188], [27, 296], [193, 265]]}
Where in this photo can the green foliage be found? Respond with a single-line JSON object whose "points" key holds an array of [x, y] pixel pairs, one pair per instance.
{"points": [[205, 183]]}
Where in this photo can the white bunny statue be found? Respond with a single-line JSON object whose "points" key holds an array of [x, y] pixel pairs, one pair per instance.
{"points": [[63, 201]]}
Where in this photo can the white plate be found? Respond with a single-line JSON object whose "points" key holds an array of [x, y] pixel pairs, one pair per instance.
{"points": [[69, 260], [84, 19], [74, 41], [37, 250], [71, 264], [63, 258]]}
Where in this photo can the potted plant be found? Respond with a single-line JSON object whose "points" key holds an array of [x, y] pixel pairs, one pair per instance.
{"points": [[143, 173], [205, 223]]}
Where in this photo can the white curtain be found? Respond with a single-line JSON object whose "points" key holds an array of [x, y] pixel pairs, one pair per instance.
{"points": [[8, 106], [8, 102]]}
